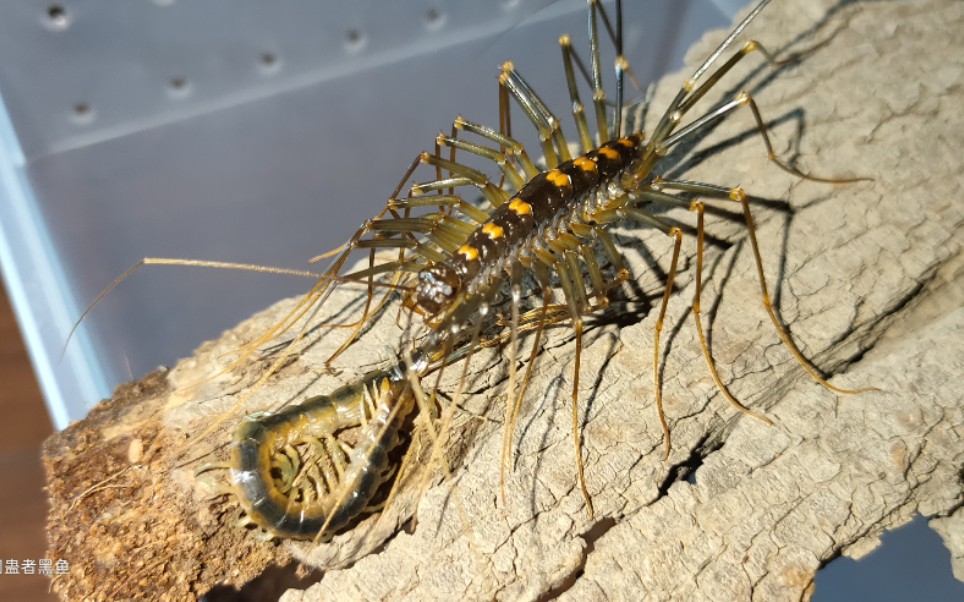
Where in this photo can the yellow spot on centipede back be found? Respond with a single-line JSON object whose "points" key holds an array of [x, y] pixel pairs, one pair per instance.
{"points": [[469, 252], [609, 153], [626, 142], [558, 179], [494, 232], [585, 164], [520, 207]]}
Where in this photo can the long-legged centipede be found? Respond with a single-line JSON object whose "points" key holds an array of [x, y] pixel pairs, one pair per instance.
{"points": [[454, 258], [537, 233]]}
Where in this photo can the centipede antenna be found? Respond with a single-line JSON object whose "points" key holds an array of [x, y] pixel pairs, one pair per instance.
{"points": [[171, 261]]}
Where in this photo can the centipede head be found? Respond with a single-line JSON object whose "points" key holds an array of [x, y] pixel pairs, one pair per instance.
{"points": [[437, 285]]}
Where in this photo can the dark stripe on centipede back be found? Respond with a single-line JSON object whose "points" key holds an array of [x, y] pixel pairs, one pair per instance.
{"points": [[547, 196]]}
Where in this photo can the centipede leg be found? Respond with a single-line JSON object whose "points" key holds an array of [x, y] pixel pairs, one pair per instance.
{"points": [[398, 224], [739, 196], [598, 90], [439, 440], [554, 146], [697, 207], [572, 297], [571, 59], [740, 100], [663, 138], [689, 95], [367, 311], [612, 253], [511, 405], [677, 236], [498, 156], [441, 230], [509, 428], [578, 110], [599, 287]]}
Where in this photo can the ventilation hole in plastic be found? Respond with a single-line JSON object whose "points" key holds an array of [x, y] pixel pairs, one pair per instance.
{"points": [[57, 17], [81, 113], [178, 87], [354, 39], [268, 62], [434, 18]]}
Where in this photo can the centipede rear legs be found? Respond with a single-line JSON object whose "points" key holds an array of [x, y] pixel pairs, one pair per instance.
{"points": [[713, 192], [738, 195], [564, 261]]}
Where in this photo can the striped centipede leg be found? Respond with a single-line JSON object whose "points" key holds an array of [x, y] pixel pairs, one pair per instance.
{"points": [[569, 272], [424, 238], [570, 280], [737, 195], [646, 219], [562, 273], [677, 235], [571, 59], [429, 237], [313, 301], [697, 207], [513, 409], [664, 138]]}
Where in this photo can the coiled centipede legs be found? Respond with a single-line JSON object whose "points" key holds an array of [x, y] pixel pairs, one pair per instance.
{"points": [[293, 498]]}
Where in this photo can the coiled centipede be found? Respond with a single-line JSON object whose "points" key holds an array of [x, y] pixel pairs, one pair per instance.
{"points": [[289, 497], [536, 233]]}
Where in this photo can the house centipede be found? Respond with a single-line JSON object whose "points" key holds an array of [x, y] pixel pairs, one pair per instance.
{"points": [[547, 225], [455, 258]]}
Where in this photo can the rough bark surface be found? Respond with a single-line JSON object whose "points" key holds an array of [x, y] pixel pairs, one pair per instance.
{"points": [[868, 276]]}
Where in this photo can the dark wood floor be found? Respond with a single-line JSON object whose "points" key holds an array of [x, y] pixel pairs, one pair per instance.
{"points": [[24, 424]]}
